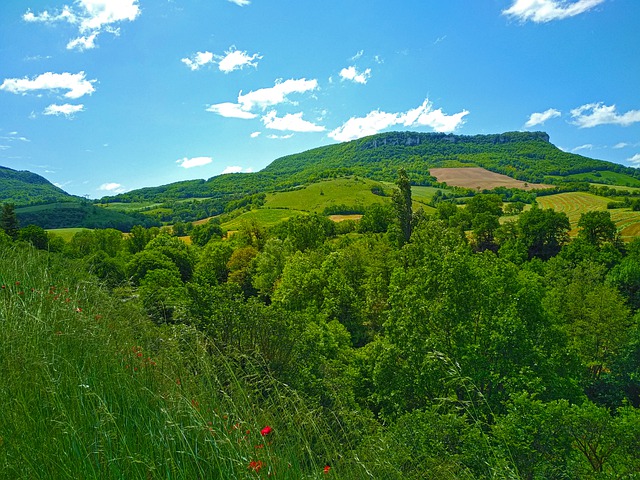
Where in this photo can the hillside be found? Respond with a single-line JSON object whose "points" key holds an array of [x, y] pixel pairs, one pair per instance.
{"points": [[525, 156], [27, 188]]}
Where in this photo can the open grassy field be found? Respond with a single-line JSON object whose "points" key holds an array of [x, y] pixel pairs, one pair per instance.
{"points": [[480, 179], [575, 204], [66, 233], [316, 197], [620, 179], [265, 217]]}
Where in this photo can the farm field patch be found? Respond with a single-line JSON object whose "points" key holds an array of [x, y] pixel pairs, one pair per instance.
{"points": [[480, 178], [575, 204]]}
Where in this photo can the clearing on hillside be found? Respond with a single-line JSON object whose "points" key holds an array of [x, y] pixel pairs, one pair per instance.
{"points": [[480, 179], [575, 204]]}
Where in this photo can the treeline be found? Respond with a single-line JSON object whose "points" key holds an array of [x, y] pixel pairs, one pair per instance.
{"points": [[451, 345]]}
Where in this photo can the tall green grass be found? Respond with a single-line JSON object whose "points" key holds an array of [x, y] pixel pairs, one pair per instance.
{"points": [[89, 388]]}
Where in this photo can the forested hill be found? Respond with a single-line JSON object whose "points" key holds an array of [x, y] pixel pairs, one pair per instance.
{"points": [[24, 188], [527, 156]]}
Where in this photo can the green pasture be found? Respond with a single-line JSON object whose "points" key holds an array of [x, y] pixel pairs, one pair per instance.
{"points": [[351, 191], [265, 217], [66, 233], [606, 177]]}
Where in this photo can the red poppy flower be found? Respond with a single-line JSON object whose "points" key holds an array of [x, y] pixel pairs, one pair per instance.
{"points": [[255, 466], [326, 469], [266, 431]]}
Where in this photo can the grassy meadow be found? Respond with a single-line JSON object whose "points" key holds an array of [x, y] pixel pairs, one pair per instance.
{"points": [[350, 191], [91, 389]]}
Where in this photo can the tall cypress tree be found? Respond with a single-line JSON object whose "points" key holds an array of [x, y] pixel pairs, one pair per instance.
{"points": [[9, 220], [402, 202]]}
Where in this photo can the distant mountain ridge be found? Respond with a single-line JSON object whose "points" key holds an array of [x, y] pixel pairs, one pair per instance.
{"points": [[527, 156], [22, 188]]}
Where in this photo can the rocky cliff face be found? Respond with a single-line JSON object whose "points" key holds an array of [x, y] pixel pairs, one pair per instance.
{"points": [[409, 139]]}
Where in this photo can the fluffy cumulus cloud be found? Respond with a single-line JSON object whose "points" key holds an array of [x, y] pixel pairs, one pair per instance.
{"points": [[540, 118], [236, 60], [76, 84], [594, 114], [279, 93], [194, 162], [352, 74], [198, 60], [231, 110], [290, 122], [635, 159], [376, 121], [67, 109], [91, 17], [232, 59], [263, 98], [111, 187], [540, 11]]}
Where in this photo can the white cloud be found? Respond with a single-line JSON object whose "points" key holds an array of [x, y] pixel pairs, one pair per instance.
{"points": [[241, 3], [594, 114], [235, 60], [198, 60], [76, 83], [194, 162], [376, 121], [231, 110], [280, 137], [235, 169], [266, 97], [426, 116], [540, 11], [540, 118], [91, 17], [635, 159], [586, 146], [620, 145], [357, 55], [83, 43], [290, 122], [67, 109], [111, 187], [350, 73], [256, 134]]}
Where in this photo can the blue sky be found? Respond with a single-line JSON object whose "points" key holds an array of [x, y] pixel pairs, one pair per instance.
{"points": [[105, 96]]}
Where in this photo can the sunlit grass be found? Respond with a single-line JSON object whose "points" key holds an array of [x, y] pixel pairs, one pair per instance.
{"points": [[91, 389]]}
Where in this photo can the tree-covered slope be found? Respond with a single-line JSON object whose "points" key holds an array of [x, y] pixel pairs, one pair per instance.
{"points": [[527, 156], [27, 188]]}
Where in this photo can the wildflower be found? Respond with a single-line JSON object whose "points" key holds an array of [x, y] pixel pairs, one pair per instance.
{"points": [[255, 466], [78, 310], [326, 469], [4, 287], [17, 283], [266, 431]]}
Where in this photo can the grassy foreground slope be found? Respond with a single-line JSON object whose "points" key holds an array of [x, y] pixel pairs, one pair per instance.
{"points": [[91, 389]]}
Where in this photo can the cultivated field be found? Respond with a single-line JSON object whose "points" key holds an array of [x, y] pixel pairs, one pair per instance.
{"points": [[576, 203], [478, 178]]}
